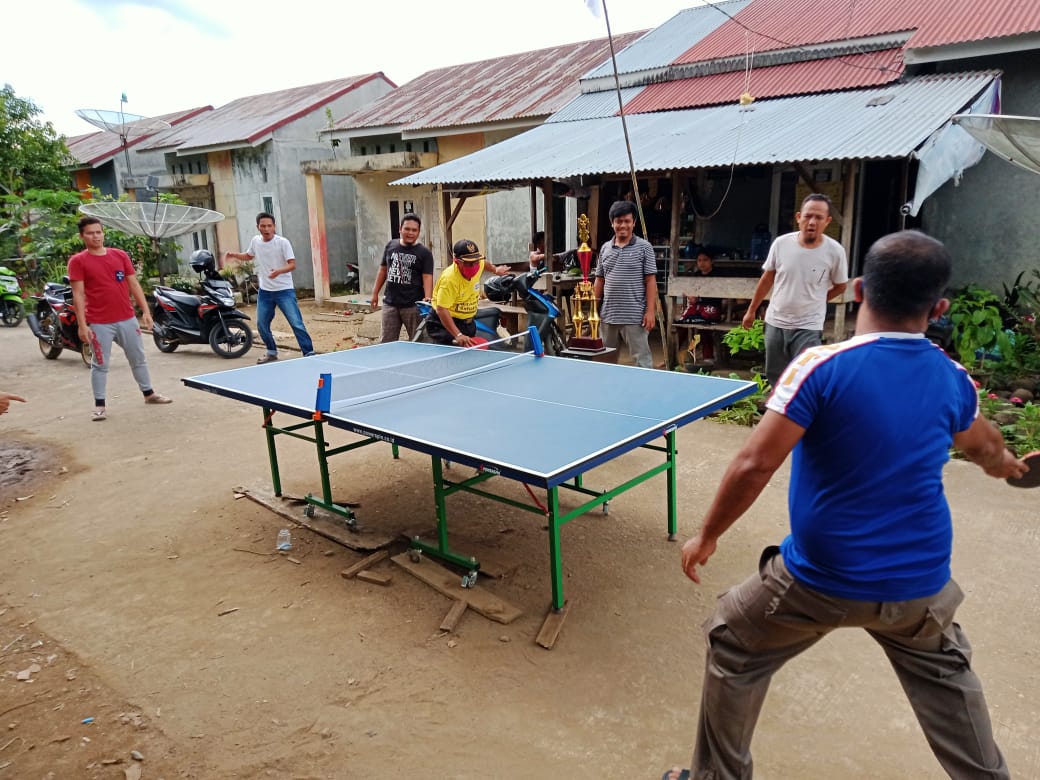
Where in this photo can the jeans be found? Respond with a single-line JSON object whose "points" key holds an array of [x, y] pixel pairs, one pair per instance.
{"points": [[285, 300]]}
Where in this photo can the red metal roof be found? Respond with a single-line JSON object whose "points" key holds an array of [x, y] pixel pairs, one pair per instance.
{"points": [[797, 78], [95, 148], [781, 24], [529, 84], [251, 119]]}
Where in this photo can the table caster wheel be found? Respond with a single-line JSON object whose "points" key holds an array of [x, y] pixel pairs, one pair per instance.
{"points": [[606, 507], [469, 580], [352, 524], [415, 555], [309, 510]]}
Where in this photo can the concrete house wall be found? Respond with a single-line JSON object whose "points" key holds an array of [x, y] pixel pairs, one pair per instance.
{"points": [[989, 221], [272, 170]]}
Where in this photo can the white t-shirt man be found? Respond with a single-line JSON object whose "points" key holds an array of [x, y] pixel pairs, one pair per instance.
{"points": [[803, 278], [268, 255]]}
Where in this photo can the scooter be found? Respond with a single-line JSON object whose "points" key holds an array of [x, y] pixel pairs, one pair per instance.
{"points": [[12, 310], [541, 311], [352, 280], [54, 323], [486, 320], [211, 318]]}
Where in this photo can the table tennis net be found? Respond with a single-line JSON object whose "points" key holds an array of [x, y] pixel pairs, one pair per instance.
{"points": [[374, 384]]}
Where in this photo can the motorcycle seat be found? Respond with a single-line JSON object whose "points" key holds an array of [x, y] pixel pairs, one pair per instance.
{"points": [[180, 297]]}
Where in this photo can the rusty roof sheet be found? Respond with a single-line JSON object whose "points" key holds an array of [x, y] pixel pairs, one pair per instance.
{"points": [[94, 149], [527, 85], [249, 121], [797, 78], [766, 25], [886, 121]]}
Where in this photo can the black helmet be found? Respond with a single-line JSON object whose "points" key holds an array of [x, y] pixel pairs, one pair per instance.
{"points": [[499, 288], [202, 260]]}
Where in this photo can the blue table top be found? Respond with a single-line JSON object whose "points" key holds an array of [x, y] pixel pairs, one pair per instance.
{"points": [[542, 420]]}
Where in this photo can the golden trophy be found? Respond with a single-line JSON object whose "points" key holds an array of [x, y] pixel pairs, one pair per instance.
{"points": [[585, 317]]}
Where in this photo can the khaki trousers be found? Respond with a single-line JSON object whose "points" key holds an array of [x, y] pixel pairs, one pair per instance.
{"points": [[770, 618]]}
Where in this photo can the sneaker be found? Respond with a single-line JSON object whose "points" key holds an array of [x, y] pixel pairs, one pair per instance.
{"points": [[155, 398], [98, 415], [308, 354], [267, 358]]}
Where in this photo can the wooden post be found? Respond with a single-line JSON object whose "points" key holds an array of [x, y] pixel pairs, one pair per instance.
{"points": [[548, 223], [848, 203], [319, 243]]}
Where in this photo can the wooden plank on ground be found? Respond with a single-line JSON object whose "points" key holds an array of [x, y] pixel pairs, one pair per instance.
{"points": [[375, 577], [458, 609], [364, 563], [448, 582], [324, 523], [552, 626]]}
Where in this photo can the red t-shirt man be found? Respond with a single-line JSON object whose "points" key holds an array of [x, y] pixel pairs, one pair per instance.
{"points": [[105, 284]]}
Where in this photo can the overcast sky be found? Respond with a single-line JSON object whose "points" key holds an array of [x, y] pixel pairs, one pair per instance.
{"points": [[170, 55]]}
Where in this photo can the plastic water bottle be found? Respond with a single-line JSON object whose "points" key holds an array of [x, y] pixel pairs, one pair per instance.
{"points": [[284, 541]]}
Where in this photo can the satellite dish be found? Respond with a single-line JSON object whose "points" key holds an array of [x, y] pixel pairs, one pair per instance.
{"points": [[154, 219], [125, 125], [1015, 138]]}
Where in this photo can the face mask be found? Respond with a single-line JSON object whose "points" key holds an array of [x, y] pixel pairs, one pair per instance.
{"points": [[468, 271]]}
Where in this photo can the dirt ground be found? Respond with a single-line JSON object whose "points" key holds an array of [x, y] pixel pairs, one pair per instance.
{"points": [[150, 616]]}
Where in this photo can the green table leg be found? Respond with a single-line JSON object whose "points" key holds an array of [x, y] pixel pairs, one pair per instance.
{"points": [[555, 554], [272, 451], [673, 505]]}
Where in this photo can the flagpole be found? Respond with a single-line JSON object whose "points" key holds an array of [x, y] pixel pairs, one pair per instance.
{"points": [[624, 123]]}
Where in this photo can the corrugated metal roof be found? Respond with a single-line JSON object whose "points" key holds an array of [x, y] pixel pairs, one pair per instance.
{"points": [[796, 78], [781, 24], [594, 104], [93, 149], [250, 120], [888, 121], [661, 46], [530, 84]]}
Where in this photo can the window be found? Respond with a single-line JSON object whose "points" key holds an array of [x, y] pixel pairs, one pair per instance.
{"points": [[267, 204]]}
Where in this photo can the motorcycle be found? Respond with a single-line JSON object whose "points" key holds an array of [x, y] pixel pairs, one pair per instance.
{"points": [[12, 309], [54, 323], [210, 318], [352, 280], [541, 312]]}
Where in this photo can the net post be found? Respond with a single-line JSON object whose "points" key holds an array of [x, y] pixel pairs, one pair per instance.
{"points": [[323, 398], [535, 341]]}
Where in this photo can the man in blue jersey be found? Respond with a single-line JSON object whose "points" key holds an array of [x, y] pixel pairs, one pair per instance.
{"points": [[870, 422]]}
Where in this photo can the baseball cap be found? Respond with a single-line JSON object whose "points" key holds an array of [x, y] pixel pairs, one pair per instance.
{"points": [[466, 250]]}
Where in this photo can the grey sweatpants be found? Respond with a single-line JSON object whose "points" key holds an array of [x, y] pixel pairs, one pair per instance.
{"points": [[785, 344], [770, 618], [635, 336], [127, 334]]}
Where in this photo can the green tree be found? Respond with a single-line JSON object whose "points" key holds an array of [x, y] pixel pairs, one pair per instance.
{"points": [[32, 154]]}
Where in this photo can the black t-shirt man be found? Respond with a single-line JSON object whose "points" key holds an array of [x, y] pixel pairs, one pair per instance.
{"points": [[405, 266]]}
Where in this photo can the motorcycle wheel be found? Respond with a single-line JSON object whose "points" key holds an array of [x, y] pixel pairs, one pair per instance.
{"points": [[232, 340], [49, 342], [556, 344], [164, 343], [11, 313], [86, 352]]}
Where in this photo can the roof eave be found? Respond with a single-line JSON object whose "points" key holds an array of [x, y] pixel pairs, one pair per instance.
{"points": [[984, 48]]}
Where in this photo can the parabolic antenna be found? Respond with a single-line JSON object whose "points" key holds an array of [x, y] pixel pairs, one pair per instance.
{"points": [[126, 126], [1015, 138], [153, 219]]}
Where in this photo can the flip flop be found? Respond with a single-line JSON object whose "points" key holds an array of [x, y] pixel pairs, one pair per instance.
{"points": [[98, 415], [683, 775]]}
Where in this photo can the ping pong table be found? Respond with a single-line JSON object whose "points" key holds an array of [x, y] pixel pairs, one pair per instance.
{"points": [[541, 421]]}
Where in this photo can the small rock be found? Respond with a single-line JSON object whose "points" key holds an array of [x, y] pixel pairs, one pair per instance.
{"points": [[504, 638], [136, 755], [452, 643]]}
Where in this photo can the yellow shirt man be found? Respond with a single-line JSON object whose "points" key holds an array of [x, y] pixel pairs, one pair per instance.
{"points": [[456, 294]]}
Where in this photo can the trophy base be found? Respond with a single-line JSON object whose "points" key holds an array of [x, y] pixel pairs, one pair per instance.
{"points": [[582, 342]]}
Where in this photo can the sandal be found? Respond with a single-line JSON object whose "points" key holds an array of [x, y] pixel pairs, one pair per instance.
{"points": [[98, 415]]}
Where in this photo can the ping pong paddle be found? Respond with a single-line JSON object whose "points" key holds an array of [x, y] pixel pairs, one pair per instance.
{"points": [[479, 342], [1032, 477]]}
